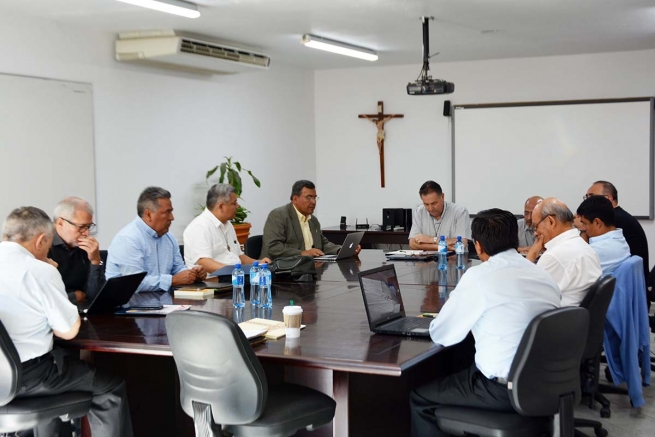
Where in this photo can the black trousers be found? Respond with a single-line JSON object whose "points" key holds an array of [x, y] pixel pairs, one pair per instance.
{"points": [[109, 414], [467, 388]]}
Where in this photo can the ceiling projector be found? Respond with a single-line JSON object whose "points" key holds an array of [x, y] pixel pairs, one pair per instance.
{"points": [[425, 85]]}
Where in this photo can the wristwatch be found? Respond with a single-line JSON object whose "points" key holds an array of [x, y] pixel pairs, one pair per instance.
{"points": [[435, 240]]}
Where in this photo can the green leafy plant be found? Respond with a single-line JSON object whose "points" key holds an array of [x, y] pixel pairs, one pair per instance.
{"points": [[231, 170]]}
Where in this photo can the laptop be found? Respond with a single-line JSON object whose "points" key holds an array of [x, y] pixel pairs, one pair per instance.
{"points": [[347, 250], [384, 305], [114, 294]]}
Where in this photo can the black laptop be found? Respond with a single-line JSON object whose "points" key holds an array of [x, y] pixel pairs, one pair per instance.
{"points": [[384, 304], [115, 293]]}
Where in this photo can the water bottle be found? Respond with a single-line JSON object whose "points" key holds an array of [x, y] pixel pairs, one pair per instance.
{"points": [[238, 295], [265, 298], [443, 285], [459, 253], [254, 284], [442, 253]]}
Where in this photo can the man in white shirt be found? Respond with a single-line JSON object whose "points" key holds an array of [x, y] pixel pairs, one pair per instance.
{"points": [[568, 258], [210, 240], [596, 222], [437, 217], [496, 300], [33, 307]]}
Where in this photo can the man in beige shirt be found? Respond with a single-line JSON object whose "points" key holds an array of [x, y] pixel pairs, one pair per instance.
{"points": [[292, 229]]}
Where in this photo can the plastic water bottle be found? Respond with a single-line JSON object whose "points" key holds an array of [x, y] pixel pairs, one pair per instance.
{"points": [[460, 253], [238, 295], [265, 297], [442, 253], [443, 285], [254, 284]]}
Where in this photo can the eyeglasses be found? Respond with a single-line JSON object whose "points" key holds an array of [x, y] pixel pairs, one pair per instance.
{"points": [[81, 228], [540, 221], [587, 196], [312, 198]]}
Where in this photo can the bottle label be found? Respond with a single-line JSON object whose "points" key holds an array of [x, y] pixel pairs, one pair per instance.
{"points": [[237, 280]]}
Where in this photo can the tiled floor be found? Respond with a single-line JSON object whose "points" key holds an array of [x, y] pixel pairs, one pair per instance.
{"points": [[625, 421]]}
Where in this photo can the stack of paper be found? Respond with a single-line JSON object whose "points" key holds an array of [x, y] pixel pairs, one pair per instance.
{"points": [[193, 292], [274, 329]]}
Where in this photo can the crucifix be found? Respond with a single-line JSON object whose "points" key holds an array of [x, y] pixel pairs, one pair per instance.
{"points": [[380, 119]]}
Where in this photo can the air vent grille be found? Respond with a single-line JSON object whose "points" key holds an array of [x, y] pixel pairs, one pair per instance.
{"points": [[226, 53]]}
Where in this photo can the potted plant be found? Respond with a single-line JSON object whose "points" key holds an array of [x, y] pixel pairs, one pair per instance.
{"points": [[231, 170]]}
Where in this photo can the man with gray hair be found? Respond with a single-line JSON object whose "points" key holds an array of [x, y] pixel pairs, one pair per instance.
{"points": [[33, 308], [145, 245], [210, 240], [526, 225], [75, 251], [572, 263]]}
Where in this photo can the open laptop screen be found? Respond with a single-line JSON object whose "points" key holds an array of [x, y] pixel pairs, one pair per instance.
{"points": [[381, 294]]}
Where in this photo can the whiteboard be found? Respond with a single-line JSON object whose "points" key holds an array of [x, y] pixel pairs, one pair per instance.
{"points": [[505, 153], [46, 142]]}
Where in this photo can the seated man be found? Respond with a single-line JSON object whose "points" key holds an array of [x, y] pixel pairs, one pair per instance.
{"points": [[496, 300], [292, 230], [526, 231], [145, 245], [568, 258], [75, 251], [596, 216], [33, 307], [210, 240], [632, 231], [437, 217]]}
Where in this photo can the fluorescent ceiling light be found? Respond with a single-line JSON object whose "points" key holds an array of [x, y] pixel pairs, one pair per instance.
{"points": [[176, 7], [316, 42]]}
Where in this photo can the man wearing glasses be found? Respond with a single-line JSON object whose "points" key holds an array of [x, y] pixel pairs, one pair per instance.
{"points": [[632, 231], [292, 229], [571, 262], [75, 251]]}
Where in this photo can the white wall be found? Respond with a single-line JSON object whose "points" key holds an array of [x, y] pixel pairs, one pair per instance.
{"points": [[418, 147], [158, 127]]}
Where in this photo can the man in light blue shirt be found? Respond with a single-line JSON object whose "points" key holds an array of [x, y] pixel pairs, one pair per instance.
{"points": [[146, 245], [596, 223]]}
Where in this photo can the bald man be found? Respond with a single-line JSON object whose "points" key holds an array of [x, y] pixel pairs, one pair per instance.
{"points": [[571, 262], [526, 229]]}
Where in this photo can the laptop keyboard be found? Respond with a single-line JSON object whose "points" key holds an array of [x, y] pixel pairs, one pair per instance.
{"points": [[410, 323]]}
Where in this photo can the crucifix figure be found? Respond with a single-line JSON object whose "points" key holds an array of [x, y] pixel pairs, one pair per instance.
{"points": [[380, 119]]}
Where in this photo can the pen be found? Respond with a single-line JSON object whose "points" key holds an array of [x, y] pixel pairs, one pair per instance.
{"points": [[430, 315]]}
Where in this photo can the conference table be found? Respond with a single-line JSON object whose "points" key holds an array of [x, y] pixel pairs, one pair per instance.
{"points": [[372, 236], [369, 375]]}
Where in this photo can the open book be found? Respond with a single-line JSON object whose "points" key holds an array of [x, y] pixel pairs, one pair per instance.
{"points": [[274, 328]]}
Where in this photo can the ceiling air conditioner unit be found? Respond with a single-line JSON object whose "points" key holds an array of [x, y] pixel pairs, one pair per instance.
{"points": [[185, 51]]}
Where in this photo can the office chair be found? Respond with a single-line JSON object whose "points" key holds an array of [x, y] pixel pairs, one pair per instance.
{"points": [[544, 380], [182, 250], [596, 302], [103, 256], [253, 246], [223, 385], [26, 413]]}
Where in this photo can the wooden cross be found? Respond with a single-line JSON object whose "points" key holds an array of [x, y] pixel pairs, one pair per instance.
{"points": [[379, 119]]}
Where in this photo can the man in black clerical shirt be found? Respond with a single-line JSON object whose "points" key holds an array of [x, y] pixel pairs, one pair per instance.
{"points": [[632, 231], [75, 251]]}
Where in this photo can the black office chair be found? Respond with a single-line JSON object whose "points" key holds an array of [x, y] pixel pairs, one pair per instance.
{"points": [[596, 301], [103, 256], [253, 246], [26, 413], [544, 380], [182, 250], [223, 385]]}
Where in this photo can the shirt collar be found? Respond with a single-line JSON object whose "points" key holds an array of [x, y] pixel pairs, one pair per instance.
{"points": [[57, 241], [145, 228], [212, 218], [301, 217], [15, 247], [561, 238], [610, 235]]}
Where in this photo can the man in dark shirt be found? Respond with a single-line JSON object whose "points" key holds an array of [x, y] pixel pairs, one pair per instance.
{"points": [[75, 251], [632, 231]]}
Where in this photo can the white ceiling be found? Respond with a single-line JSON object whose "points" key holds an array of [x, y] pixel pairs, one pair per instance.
{"points": [[463, 29]]}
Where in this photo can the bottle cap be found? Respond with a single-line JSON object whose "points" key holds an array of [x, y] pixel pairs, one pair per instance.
{"points": [[264, 265], [237, 266], [443, 238], [459, 238], [255, 263]]}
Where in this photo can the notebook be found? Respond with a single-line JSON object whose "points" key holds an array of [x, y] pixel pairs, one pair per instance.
{"points": [[115, 293], [347, 250], [384, 304]]}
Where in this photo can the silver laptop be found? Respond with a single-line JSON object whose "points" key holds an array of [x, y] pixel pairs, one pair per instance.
{"points": [[347, 250], [384, 305]]}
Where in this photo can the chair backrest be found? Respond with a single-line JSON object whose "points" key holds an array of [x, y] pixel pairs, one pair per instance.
{"points": [[597, 301], [103, 256], [547, 362], [182, 250], [11, 368], [253, 246], [216, 366]]}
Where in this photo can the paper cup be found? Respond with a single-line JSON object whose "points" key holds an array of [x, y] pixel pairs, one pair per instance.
{"points": [[292, 319]]}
